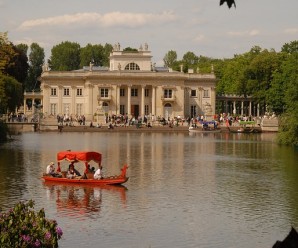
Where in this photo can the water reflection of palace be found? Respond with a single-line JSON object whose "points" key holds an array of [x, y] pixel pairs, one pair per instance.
{"points": [[81, 200]]}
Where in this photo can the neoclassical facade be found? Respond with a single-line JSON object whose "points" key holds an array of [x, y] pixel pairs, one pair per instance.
{"points": [[131, 85]]}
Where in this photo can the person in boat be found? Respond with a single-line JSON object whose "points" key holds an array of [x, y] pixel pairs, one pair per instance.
{"points": [[72, 172], [90, 170], [51, 169], [98, 173]]}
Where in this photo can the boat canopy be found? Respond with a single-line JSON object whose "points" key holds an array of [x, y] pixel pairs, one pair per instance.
{"points": [[79, 156], [76, 156]]}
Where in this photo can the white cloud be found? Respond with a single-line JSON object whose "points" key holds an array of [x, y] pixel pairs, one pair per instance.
{"points": [[247, 33], [106, 20], [291, 31]]}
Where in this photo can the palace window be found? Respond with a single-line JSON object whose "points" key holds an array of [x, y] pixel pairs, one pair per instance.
{"points": [[134, 92], [66, 92], [132, 67], [146, 109], [122, 109], [79, 109], [53, 92], [206, 93], [122, 92], [53, 108], [193, 93], [79, 92], [193, 110], [146, 92], [168, 93], [66, 108], [104, 92]]}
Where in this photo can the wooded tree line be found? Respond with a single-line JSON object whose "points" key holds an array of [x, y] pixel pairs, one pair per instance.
{"points": [[268, 76]]}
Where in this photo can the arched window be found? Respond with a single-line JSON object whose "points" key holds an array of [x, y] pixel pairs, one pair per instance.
{"points": [[168, 105], [132, 67]]}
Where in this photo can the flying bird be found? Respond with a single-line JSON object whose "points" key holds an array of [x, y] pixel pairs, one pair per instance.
{"points": [[229, 3]]}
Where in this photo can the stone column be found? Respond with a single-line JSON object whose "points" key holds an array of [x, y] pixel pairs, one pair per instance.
{"points": [[249, 110], [213, 98], [89, 107], [242, 108], [118, 99], [129, 100], [234, 108], [258, 110], [153, 100], [143, 101], [25, 106], [73, 100], [60, 94]]}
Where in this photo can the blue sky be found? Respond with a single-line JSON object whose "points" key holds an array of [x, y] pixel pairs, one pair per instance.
{"points": [[199, 26]]}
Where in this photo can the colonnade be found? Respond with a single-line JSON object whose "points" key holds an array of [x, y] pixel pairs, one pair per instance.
{"points": [[239, 106]]}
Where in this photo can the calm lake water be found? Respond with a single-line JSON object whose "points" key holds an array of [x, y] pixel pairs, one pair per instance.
{"points": [[207, 191]]}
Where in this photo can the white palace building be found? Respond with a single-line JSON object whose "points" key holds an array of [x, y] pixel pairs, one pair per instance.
{"points": [[131, 85]]}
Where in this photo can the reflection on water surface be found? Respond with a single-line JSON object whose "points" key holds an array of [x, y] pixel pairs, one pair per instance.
{"points": [[198, 190]]}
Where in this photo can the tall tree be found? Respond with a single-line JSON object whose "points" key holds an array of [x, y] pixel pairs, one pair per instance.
{"points": [[7, 52], [36, 60], [92, 53], [288, 132], [108, 48], [23, 47], [170, 58], [11, 94], [291, 47], [65, 56], [18, 68]]}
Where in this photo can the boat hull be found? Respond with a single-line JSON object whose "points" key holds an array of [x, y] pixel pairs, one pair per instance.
{"points": [[104, 181]]}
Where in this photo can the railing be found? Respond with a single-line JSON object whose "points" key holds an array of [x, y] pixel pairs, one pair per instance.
{"points": [[168, 99], [104, 98]]}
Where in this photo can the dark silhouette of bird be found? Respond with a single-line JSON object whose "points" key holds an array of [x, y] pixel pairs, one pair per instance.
{"points": [[229, 3]]}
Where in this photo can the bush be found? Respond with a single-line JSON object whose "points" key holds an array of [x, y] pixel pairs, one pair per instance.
{"points": [[23, 227]]}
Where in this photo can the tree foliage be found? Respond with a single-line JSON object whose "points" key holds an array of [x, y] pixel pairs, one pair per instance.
{"points": [[36, 60], [98, 55], [170, 58], [18, 66], [288, 133], [65, 56], [11, 94], [7, 52]]}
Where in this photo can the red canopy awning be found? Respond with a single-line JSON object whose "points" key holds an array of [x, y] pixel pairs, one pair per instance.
{"points": [[74, 156]]}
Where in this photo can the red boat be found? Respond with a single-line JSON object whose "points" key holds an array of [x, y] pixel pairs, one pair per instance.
{"points": [[87, 178]]}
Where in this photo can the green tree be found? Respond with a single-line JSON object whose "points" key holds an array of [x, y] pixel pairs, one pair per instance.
{"points": [[11, 94], [108, 48], [92, 53], [36, 60], [7, 52], [189, 60], [288, 131], [18, 66], [170, 58], [23, 47], [290, 48], [130, 49], [65, 56]]}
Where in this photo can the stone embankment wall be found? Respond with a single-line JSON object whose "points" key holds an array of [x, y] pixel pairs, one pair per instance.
{"points": [[269, 124]]}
